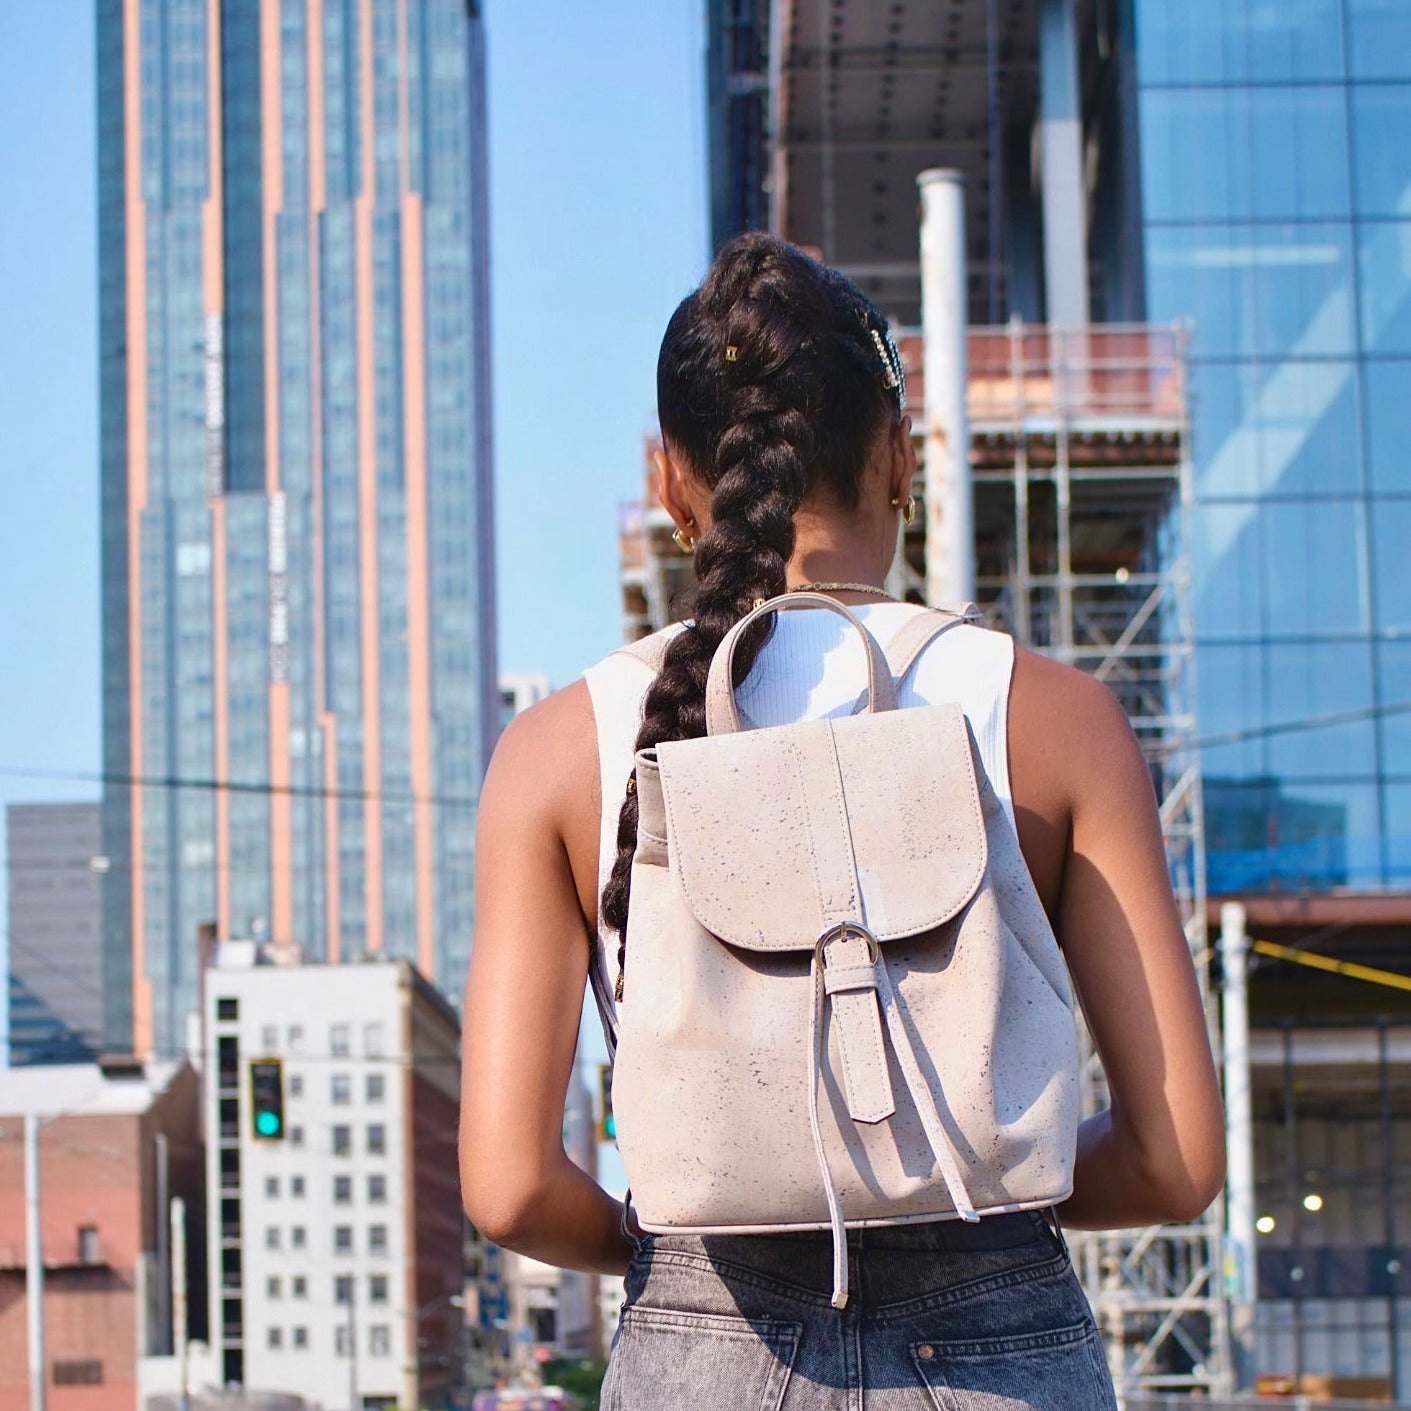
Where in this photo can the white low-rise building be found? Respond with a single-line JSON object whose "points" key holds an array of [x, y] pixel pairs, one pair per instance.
{"points": [[335, 1217]]}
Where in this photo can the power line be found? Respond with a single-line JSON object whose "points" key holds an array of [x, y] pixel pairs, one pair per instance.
{"points": [[1283, 727], [235, 786]]}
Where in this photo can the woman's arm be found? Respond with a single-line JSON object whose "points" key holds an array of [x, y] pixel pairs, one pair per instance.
{"points": [[524, 996], [1158, 1152]]}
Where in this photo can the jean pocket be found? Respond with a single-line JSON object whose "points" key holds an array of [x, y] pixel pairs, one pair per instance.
{"points": [[1060, 1369], [663, 1361]]}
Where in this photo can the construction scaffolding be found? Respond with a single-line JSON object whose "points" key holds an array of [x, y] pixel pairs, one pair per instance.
{"points": [[1082, 494]]}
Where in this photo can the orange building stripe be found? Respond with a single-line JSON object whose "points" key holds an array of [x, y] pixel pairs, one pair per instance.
{"points": [[213, 271], [135, 225], [418, 590], [367, 494]]}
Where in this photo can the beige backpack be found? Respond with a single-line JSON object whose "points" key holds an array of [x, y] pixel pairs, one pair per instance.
{"points": [[843, 1003]]}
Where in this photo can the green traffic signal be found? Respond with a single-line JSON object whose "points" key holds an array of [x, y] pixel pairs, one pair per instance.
{"points": [[267, 1098]]}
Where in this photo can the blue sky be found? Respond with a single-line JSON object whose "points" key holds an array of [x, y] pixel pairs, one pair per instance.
{"points": [[598, 227]]}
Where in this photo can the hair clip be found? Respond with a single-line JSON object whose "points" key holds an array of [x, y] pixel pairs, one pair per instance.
{"points": [[732, 353], [889, 376]]}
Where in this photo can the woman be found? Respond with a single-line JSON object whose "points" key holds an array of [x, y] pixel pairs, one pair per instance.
{"points": [[787, 461]]}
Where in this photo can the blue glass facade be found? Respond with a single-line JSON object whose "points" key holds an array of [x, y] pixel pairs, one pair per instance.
{"points": [[297, 539], [1276, 202]]}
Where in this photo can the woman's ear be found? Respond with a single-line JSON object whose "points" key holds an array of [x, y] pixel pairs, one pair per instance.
{"points": [[901, 470], [678, 492]]}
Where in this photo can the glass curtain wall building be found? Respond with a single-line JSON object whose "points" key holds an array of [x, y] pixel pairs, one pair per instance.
{"points": [[295, 485], [1276, 203]]}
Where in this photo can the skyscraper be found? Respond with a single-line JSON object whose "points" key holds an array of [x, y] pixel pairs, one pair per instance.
{"points": [[1274, 199], [295, 484]]}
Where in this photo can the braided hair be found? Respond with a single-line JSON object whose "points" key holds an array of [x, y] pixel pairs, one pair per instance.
{"points": [[774, 380]]}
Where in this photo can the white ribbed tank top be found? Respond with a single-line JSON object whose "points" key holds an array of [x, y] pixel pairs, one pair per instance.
{"points": [[812, 667]]}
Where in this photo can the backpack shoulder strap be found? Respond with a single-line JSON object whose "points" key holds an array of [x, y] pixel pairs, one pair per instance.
{"points": [[650, 651], [919, 631]]}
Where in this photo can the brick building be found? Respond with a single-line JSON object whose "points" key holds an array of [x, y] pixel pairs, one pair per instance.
{"points": [[115, 1143]]}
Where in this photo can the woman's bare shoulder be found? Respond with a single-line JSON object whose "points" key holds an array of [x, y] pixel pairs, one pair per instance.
{"points": [[1062, 721], [1069, 745], [547, 753]]}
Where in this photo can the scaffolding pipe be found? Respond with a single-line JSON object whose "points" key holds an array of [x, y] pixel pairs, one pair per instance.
{"points": [[1240, 1264], [950, 537]]}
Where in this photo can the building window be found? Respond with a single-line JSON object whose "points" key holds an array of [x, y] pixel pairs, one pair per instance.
{"points": [[372, 1040], [342, 1239], [297, 1237], [271, 1236], [90, 1248], [343, 1288], [274, 1286], [338, 1040], [269, 1038], [376, 1139], [227, 1009], [376, 1087], [341, 1090], [342, 1140], [342, 1190], [296, 1187], [87, 1372], [272, 1187], [274, 1338], [300, 1287], [296, 1136], [377, 1190], [296, 1085], [296, 1038], [301, 1337], [379, 1340], [377, 1289], [377, 1239], [343, 1340]]}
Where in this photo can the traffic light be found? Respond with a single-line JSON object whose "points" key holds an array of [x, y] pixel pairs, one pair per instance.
{"points": [[267, 1098], [607, 1127]]}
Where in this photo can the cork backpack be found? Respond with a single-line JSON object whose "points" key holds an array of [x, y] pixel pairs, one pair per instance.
{"points": [[843, 1003]]}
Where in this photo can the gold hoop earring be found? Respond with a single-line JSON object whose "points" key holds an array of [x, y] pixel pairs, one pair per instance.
{"points": [[687, 546], [907, 508]]}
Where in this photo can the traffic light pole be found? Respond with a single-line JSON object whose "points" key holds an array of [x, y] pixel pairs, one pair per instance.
{"points": [[352, 1343], [34, 1263]]}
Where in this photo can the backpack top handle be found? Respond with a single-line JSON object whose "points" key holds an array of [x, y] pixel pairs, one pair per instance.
{"points": [[723, 715]]}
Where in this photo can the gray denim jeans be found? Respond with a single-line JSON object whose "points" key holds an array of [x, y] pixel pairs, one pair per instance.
{"points": [[944, 1317]]}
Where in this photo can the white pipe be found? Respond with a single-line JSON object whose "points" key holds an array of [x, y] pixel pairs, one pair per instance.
{"points": [[177, 1245], [950, 533], [1240, 1261], [34, 1264]]}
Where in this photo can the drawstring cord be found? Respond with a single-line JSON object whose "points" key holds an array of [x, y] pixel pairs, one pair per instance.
{"points": [[921, 1095]]}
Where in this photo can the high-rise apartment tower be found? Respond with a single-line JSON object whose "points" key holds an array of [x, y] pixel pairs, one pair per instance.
{"points": [[295, 484]]}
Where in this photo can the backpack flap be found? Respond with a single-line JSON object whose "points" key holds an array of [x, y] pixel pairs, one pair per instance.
{"points": [[778, 835]]}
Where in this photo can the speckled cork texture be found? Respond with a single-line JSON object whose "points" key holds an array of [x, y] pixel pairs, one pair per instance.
{"points": [[751, 845]]}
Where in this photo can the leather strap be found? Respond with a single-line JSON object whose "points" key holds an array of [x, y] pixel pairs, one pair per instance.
{"points": [[722, 714]]}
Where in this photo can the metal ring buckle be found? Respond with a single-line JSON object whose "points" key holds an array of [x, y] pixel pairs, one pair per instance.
{"points": [[841, 932]]}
